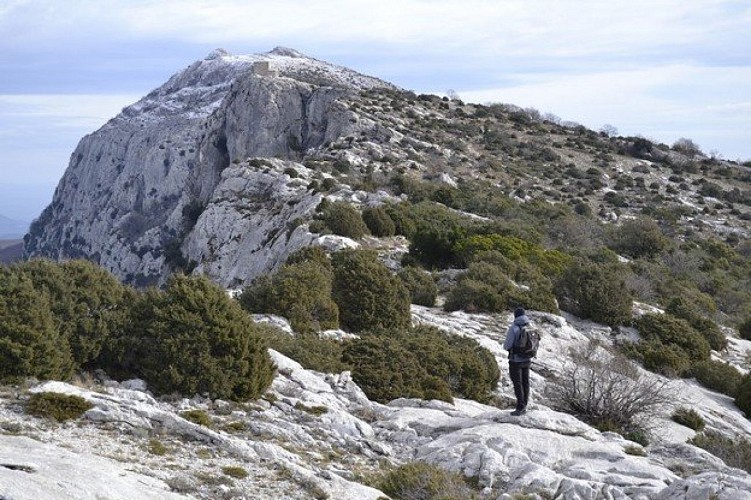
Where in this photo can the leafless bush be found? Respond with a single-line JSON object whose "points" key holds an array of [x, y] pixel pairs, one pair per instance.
{"points": [[606, 390]]}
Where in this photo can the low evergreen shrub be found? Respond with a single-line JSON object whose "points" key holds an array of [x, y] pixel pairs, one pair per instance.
{"points": [[689, 418], [670, 330], [378, 221], [31, 344], [743, 395], [311, 351], [420, 480], [421, 285], [667, 359], [744, 329], [718, 376], [60, 407], [344, 220], [680, 308], [734, 451], [193, 339], [595, 291], [367, 294], [199, 417]]}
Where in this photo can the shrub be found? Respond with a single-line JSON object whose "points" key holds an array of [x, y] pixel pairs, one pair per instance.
{"points": [[717, 376], [421, 286], [689, 418], [437, 230], [378, 221], [638, 238], [745, 329], [606, 390], [368, 295], [199, 417], [399, 215], [385, 370], [680, 308], [312, 352], [193, 338], [235, 471], [595, 291], [667, 359], [301, 292], [420, 480], [344, 220], [743, 396], [734, 451], [476, 296], [30, 341], [668, 330], [89, 304], [60, 407], [423, 362]]}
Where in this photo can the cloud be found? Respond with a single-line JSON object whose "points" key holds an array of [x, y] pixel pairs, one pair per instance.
{"points": [[63, 110]]}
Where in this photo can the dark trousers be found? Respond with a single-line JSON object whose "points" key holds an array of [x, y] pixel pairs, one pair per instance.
{"points": [[519, 373]]}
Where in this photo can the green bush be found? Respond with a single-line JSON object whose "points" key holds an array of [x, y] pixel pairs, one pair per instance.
{"points": [[400, 216], [717, 376], [437, 230], [313, 253], [199, 417], [312, 352], [680, 308], [595, 291], [31, 344], [235, 471], [60, 407], [667, 359], [421, 285], [422, 362], [689, 418], [378, 221], [192, 338], [734, 451], [743, 395], [88, 302], [420, 480], [638, 238], [385, 370], [745, 329], [668, 330], [487, 287], [367, 294], [476, 296], [344, 220], [301, 292]]}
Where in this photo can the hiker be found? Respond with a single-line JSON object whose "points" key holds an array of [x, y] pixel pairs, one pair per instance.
{"points": [[518, 364]]}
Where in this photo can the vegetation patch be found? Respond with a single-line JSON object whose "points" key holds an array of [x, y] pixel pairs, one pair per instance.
{"points": [[56, 406], [688, 417], [417, 480]]}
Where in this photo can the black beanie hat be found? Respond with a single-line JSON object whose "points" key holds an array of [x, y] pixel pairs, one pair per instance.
{"points": [[519, 311]]}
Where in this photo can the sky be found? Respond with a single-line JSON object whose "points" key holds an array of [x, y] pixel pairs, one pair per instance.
{"points": [[662, 69]]}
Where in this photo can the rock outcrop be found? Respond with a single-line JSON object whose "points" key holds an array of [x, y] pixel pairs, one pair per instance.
{"points": [[134, 194]]}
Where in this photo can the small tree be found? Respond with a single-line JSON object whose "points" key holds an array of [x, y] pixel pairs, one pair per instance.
{"points": [[687, 147], [421, 285]]}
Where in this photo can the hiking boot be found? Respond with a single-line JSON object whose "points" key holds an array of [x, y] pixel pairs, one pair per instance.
{"points": [[517, 413]]}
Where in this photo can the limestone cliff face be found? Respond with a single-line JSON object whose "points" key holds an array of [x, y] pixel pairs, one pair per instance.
{"points": [[159, 180]]}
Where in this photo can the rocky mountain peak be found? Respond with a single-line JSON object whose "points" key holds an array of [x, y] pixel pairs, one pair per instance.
{"points": [[287, 52]]}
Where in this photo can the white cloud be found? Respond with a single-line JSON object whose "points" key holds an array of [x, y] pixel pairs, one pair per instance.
{"points": [[63, 110]]}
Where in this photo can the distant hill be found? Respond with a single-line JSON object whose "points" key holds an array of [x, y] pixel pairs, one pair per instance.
{"points": [[10, 250], [11, 229]]}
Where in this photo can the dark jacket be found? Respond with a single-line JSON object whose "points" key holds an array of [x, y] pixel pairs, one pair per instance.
{"points": [[512, 335]]}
